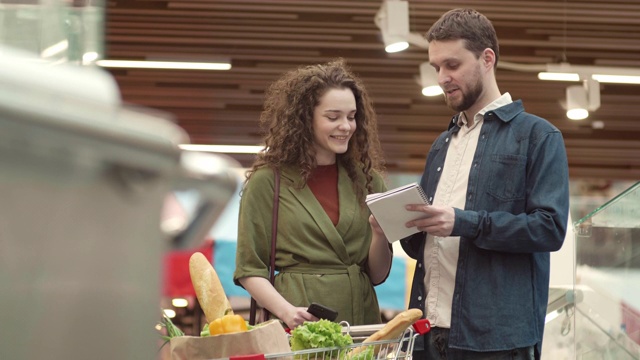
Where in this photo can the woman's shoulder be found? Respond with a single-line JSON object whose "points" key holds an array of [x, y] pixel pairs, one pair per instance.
{"points": [[259, 179], [378, 181], [265, 176], [262, 174]]}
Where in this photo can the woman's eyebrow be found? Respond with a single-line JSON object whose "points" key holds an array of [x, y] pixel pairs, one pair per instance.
{"points": [[339, 111]]}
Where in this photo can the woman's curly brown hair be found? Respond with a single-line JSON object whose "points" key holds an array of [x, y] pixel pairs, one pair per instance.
{"points": [[287, 120]]}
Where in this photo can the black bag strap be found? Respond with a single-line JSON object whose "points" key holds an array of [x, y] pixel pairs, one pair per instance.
{"points": [[272, 256]]}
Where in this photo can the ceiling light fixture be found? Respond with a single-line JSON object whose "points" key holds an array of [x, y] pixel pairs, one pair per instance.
{"points": [[393, 43], [429, 80], [226, 149], [617, 79], [393, 20], [582, 98], [602, 74], [577, 102], [164, 65], [179, 302], [558, 76], [169, 313]]}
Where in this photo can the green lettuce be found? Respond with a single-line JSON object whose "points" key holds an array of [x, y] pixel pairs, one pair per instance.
{"points": [[364, 355], [319, 334]]}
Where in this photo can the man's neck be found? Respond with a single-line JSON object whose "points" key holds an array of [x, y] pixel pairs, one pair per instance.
{"points": [[491, 94]]}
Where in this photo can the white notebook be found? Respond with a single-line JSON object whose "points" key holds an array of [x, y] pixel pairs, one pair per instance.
{"points": [[389, 209]]}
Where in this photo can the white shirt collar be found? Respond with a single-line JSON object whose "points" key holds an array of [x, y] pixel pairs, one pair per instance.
{"points": [[504, 99]]}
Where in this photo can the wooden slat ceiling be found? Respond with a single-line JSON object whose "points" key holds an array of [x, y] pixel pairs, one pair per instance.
{"points": [[263, 38]]}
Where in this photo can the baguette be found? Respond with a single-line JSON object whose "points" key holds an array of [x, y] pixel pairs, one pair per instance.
{"points": [[391, 330], [209, 291]]}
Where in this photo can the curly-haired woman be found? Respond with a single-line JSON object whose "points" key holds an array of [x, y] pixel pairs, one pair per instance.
{"points": [[321, 134]]}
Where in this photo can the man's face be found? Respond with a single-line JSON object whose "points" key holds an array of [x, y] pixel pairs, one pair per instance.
{"points": [[459, 73]]}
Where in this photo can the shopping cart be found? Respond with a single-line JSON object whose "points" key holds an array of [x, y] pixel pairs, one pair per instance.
{"points": [[400, 348]]}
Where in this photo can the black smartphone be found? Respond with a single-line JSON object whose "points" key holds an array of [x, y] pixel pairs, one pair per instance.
{"points": [[322, 312]]}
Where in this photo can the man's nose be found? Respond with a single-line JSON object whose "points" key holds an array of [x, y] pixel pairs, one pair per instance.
{"points": [[443, 77]]}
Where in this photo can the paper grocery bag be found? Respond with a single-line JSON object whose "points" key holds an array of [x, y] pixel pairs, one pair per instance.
{"points": [[267, 338]]}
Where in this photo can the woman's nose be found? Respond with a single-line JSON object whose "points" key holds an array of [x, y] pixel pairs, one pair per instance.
{"points": [[344, 124]]}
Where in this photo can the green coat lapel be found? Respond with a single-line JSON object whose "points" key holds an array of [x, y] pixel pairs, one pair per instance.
{"points": [[310, 203], [348, 201]]}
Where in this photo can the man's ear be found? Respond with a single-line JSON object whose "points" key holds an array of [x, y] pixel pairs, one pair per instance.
{"points": [[488, 57]]}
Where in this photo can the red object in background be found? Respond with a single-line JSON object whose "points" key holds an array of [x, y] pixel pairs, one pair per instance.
{"points": [[422, 326], [176, 280], [631, 321]]}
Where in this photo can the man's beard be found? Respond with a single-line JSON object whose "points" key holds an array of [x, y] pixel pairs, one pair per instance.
{"points": [[468, 99]]}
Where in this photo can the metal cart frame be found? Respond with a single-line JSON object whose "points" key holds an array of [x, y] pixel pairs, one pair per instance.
{"points": [[400, 348]]}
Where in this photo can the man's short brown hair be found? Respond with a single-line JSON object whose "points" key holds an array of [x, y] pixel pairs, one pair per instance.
{"points": [[469, 25]]}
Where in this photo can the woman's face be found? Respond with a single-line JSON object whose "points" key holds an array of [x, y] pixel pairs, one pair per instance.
{"points": [[333, 124]]}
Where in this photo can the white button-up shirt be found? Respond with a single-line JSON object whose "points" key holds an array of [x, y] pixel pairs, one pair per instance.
{"points": [[441, 253]]}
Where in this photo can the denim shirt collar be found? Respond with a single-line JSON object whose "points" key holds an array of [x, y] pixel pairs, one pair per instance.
{"points": [[504, 113]]}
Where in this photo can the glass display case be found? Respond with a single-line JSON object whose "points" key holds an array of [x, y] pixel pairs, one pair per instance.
{"points": [[56, 31], [600, 317]]}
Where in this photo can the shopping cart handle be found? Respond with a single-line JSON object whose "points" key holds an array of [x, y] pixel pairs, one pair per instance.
{"points": [[248, 357], [422, 326]]}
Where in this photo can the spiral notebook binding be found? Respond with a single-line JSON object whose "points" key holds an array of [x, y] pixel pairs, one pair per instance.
{"points": [[423, 195]]}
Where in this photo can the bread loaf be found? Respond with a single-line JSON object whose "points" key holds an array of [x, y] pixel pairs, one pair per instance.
{"points": [[209, 291], [391, 330]]}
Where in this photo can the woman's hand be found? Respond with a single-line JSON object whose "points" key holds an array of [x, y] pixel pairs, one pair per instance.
{"points": [[267, 296], [375, 226], [380, 254], [296, 316]]}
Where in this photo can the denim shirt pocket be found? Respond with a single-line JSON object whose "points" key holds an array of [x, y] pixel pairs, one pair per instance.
{"points": [[508, 177]]}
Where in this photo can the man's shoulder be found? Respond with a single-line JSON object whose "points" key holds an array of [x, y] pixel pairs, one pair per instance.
{"points": [[519, 118], [534, 123]]}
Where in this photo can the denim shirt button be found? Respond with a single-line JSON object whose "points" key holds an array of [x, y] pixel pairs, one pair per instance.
{"points": [[419, 265], [446, 140], [419, 298], [439, 168], [430, 199]]}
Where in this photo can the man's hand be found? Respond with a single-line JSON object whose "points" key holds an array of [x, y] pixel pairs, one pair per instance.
{"points": [[437, 221]]}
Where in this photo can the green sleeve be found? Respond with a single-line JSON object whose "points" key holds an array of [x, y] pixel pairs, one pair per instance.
{"points": [[254, 226]]}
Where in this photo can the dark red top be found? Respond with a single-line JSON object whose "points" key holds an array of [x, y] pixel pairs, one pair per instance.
{"points": [[323, 182]]}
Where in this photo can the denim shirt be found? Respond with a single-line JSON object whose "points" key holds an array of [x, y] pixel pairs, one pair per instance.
{"points": [[516, 210]]}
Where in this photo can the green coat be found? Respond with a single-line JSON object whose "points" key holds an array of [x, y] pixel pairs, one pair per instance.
{"points": [[317, 261]]}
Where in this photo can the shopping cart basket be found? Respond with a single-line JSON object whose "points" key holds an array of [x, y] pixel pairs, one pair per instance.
{"points": [[394, 349]]}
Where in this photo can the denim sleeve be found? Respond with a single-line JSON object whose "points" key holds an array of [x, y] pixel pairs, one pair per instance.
{"points": [[538, 222], [411, 245]]}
